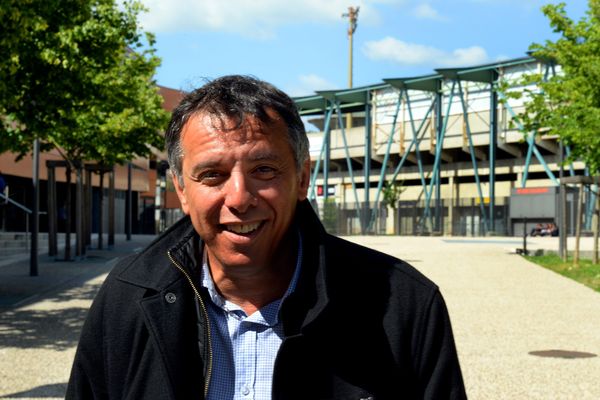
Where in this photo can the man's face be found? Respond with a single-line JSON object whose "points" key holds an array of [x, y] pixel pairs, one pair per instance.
{"points": [[240, 187]]}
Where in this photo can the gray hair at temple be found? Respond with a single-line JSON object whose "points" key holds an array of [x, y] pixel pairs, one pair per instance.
{"points": [[234, 97]]}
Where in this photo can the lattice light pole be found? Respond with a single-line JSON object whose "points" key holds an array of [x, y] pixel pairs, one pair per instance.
{"points": [[352, 16]]}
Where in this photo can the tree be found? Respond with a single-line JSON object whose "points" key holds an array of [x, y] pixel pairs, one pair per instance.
{"points": [[568, 102], [77, 74], [391, 194]]}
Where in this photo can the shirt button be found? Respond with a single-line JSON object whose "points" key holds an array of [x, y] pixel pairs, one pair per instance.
{"points": [[245, 390]]}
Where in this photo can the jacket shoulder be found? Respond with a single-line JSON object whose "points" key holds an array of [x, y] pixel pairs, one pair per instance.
{"points": [[151, 267], [362, 261]]}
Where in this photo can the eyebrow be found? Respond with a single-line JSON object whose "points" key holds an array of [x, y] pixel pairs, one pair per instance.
{"points": [[260, 156], [264, 156]]}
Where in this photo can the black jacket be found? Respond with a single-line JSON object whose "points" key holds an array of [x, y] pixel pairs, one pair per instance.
{"points": [[360, 325]]}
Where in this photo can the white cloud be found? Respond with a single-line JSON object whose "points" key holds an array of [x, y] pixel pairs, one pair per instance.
{"points": [[403, 53], [468, 56], [308, 85], [502, 57], [425, 11], [254, 18]]}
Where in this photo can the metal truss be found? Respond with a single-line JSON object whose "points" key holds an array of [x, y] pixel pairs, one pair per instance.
{"points": [[340, 102]]}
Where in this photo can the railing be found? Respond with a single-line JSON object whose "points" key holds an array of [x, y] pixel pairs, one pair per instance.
{"points": [[27, 211]]}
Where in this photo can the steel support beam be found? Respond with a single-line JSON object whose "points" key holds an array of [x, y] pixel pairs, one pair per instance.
{"points": [[367, 167], [439, 143], [439, 137], [385, 162], [473, 159], [414, 143], [348, 159], [416, 139], [326, 133], [493, 149], [532, 149]]}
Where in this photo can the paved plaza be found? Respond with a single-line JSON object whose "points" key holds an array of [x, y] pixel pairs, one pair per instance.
{"points": [[522, 332]]}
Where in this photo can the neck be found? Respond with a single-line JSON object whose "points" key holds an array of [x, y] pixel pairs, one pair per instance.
{"points": [[254, 286]]}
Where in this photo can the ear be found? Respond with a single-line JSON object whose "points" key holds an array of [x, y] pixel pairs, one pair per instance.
{"points": [[180, 190], [304, 180]]}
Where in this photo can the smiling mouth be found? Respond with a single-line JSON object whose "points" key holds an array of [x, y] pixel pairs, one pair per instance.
{"points": [[243, 228]]}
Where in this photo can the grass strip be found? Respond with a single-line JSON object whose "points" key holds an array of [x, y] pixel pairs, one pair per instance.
{"points": [[587, 273]]}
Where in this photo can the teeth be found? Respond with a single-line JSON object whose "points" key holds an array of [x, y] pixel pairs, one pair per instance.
{"points": [[244, 228]]}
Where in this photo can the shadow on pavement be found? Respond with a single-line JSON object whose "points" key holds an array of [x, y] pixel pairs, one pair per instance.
{"points": [[49, 329], [53, 390], [58, 323]]}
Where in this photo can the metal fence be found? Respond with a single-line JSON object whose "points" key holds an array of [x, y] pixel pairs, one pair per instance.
{"points": [[463, 218]]}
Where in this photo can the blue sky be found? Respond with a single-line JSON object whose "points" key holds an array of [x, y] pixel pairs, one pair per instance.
{"points": [[302, 45]]}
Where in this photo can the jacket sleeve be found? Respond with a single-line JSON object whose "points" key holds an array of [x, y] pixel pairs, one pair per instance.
{"points": [[436, 358], [87, 380]]}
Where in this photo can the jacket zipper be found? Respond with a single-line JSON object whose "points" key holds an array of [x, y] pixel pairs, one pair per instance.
{"points": [[210, 355]]}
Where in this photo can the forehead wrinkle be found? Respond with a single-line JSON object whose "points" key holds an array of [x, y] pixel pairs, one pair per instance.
{"points": [[264, 156], [226, 128], [217, 159]]}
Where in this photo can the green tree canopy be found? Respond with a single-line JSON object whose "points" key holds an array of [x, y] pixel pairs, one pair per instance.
{"points": [[78, 75], [568, 103], [391, 193]]}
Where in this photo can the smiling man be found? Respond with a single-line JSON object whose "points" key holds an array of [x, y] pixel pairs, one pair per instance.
{"points": [[247, 297]]}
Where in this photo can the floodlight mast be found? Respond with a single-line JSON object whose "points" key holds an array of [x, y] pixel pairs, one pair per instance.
{"points": [[352, 16]]}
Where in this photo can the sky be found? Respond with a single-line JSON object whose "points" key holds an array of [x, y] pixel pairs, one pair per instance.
{"points": [[302, 46]]}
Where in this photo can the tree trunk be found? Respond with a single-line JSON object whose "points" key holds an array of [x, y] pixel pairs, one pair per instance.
{"points": [[596, 227], [562, 229], [578, 228], [80, 248], [68, 217], [128, 216], [52, 230], [111, 208], [88, 208], [35, 210], [101, 211]]}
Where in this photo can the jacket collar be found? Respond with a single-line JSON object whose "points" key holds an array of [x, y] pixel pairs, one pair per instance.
{"points": [[311, 297], [182, 244]]}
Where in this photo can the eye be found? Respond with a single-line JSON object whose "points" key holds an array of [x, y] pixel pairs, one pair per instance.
{"points": [[210, 177], [265, 172]]}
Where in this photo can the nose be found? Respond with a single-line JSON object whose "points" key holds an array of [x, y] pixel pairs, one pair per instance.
{"points": [[239, 195]]}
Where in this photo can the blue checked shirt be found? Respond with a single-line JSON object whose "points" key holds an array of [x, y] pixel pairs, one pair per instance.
{"points": [[244, 347]]}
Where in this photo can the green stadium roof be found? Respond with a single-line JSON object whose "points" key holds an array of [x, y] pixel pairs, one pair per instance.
{"points": [[354, 99]]}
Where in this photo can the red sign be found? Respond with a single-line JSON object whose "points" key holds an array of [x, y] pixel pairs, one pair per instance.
{"points": [[538, 190]]}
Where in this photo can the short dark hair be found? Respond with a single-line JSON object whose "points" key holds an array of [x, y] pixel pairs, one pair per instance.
{"points": [[235, 97]]}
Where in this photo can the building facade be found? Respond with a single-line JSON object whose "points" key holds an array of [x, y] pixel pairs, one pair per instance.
{"points": [[451, 143], [152, 205]]}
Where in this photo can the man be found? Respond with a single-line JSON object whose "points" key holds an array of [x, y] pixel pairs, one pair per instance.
{"points": [[248, 297]]}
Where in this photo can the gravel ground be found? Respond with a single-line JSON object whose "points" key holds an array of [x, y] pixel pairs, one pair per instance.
{"points": [[502, 307], [38, 343], [41, 318]]}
